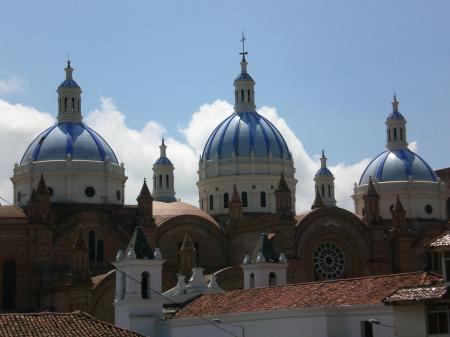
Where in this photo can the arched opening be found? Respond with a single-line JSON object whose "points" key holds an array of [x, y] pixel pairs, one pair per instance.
{"points": [[323, 191], [244, 199], [9, 284], [401, 133], [160, 181], [65, 104], [100, 250], [167, 181], [263, 199], [73, 104], [211, 202], [242, 95], [329, 191], [145, 284], [395, 133], [91, 246], [272, 279], [389, 134], [252, 280], [123, 285], [225, 200], [248, 95], [79, 105]]}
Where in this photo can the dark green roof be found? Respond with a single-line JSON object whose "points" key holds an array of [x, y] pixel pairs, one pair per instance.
{"points": [[265, 246], [140, 245]]}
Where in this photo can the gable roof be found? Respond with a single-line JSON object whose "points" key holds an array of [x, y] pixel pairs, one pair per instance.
{"points": [[441, 241], [354, 291], [417, 294], [50, 324]]}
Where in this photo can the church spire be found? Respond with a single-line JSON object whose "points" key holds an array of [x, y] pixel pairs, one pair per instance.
{"points": [[69, 99], [396, 128], [244, 93]]}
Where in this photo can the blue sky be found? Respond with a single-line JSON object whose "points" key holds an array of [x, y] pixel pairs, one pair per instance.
{"points": [[328, 67]]}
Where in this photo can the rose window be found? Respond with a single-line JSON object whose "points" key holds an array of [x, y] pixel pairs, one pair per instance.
{"points": [[328, 261]]}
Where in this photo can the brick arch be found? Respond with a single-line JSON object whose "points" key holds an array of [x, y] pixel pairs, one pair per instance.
{"points": [[212, 244], [337, 226]]}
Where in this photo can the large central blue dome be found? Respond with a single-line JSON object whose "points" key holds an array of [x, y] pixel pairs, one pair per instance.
{"points": [[242, 133], [398, 165], [60, 139]]}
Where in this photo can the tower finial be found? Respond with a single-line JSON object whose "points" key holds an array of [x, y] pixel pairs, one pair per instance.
{"points": [[243, 53], [395, 103]]}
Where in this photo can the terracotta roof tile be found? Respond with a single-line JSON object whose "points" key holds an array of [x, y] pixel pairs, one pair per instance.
{"points": [[417, 294], [441, 241], [355, 291], [7, 211], [49, 324], [163, 211]]}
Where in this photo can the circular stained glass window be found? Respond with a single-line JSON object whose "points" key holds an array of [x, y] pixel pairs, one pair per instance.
{"points": [[329, 261], [89, 191]]}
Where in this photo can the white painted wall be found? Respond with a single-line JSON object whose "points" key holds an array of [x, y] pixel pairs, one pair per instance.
{"points": [[414, 195], [330, 322]]}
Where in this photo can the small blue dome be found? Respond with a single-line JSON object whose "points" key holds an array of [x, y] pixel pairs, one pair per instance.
{"points": [[69, 84], [60, 139], [324, 171], [395, 115], [243, 132], [398, 165], [163, 161]]}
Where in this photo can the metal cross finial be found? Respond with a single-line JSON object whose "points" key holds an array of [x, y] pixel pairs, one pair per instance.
{"points": [[243, 46], [68, 58]]}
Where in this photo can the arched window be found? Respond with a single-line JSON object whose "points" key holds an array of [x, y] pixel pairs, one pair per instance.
{"points": [[329, 191], [100, 250], [211, 202], [160, 181], [389, 134], [272, 279], [248, 95], [242, 95], [401, 133], [244, 199], [123, 285], [9, 284], [263, 200], [252, 280], [145, 284], [323, 191], [167, 181], [65, 104], [91, 245], [226, 200], [395, 133], [73, 104], [197, 250]]}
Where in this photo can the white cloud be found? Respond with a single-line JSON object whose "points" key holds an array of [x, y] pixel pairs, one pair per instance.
{"points": [[138, 148], [414, 146], [11, 85], [19, 125]]}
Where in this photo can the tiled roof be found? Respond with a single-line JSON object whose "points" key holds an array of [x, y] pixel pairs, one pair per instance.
{"points": [[441, 241], [354, 291], [7, 211], [50, 324], [163, 211], [417, 294]]}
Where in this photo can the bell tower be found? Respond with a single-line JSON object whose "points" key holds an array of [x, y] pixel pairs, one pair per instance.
{"points": [[69, 99]]}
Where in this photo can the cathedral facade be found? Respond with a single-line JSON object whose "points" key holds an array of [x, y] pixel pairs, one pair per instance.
{"points": [[69, 218]]}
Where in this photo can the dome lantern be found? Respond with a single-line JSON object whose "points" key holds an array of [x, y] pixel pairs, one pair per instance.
{"points": [[396, 129], [69, 99], [244, 92]]}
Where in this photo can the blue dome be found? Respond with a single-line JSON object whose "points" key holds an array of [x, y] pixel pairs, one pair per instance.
{"points": [[60, 139], [69, 84], [398, 165], [243, 132], [163, 161], [323, 171]]}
